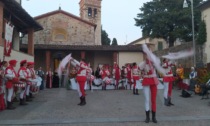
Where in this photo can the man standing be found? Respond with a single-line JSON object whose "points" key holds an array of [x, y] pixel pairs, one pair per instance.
{"points": [[105, 73], [135, 76], [150, 81], [11, 76], [23, 76], [40, 73], [81, 79], [116, 74], [128, 75], [180, 74], [168, 82], [3, 66]]}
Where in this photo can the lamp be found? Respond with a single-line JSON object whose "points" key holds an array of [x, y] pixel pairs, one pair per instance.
{"points": [[185, 4]]}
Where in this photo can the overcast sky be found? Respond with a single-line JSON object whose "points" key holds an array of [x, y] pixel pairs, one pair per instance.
{"points": [[117, 15]]}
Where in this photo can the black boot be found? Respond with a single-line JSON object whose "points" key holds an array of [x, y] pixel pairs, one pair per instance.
{"points": [[134, 91], [137, 92], [28, 99], [147, 117], [80, 101], [169, 101], [9, 106], [22, 102], [31, 95], [83, 101], [166, 102], [154, 117]]}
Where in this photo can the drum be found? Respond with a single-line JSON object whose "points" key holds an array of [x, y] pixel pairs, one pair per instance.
{"points": [[92, 77], [34, 88], [108, 81], [20, 85]]}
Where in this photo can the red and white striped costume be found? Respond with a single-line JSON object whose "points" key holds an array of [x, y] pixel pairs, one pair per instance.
{"points": [[135, 75], [149, 83], [167, 80], [11, 76], [23, 76], [35, 81], [82, 77], [116, 75], [105, 73], [127, 71]]}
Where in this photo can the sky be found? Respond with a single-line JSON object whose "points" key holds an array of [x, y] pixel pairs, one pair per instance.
{"points": [[117, 15]]}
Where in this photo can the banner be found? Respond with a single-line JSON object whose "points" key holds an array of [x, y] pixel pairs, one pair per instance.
{"points": [[8, 39]]}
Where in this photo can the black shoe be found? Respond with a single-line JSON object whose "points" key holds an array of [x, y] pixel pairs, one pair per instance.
{"points": [[154, 117], [80, 101], [137, 92], [83, 101], [28, 99], [10, 106], [147, 117], [22, 102]]}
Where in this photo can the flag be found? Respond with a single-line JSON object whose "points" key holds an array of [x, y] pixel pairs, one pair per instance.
{"points": [[8, 39]]}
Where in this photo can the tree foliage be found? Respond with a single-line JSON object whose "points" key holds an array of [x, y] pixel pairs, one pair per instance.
{"points": [[168, 19], [114, 41], [202, 33], [105, 40]]}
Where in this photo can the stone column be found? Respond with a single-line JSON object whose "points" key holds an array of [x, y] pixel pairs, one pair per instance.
{"points": [[82, 54], [1, 22], [48, 55], [115, 57], [31, 41]]}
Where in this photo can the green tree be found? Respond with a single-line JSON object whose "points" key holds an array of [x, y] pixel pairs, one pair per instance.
{"points": [[114, 41], [167, 19], [202, 35], [105, 40]]}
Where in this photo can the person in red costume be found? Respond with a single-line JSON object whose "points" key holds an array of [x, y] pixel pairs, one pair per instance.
{"points": [[105, 73], [23, 76], [168, 81], [116, 74], [127, 71], [135, 76], [81, 79], [12, 77], [3, 64], [149, 83]]}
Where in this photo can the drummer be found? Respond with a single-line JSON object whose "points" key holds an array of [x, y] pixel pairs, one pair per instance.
{"points": [[23, 76], [11, 77], [105, 73], [34, 81]]}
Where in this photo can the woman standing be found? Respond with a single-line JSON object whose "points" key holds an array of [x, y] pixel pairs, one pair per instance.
{"points": [[49, 78]]}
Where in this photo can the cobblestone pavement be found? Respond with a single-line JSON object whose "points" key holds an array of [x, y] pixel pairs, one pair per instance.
{"points": [[58, 107]]}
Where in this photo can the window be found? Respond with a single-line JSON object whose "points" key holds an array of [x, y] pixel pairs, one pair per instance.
{"points": [[95, 12], [160, 46], [89, 12]]}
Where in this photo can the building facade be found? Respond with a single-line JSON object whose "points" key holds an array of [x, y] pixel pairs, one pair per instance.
{"points": [[11, 12], [65, 33], [205, 15]]}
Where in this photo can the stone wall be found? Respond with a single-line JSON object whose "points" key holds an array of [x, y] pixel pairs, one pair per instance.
{"points": [[200, 55], [64, 30], [187, 62]]}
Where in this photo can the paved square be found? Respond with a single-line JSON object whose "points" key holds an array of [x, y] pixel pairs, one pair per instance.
{"points": [[111, 107]]}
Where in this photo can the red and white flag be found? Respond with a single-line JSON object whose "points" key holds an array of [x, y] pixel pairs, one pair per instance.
{"points": [[8, 39]]}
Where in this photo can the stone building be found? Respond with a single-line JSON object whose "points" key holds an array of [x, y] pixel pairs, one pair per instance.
{"points": [[66, 33]]}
